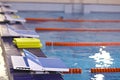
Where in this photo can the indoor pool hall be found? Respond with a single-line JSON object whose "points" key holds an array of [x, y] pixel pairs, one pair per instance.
{"points": [[59, 40]]}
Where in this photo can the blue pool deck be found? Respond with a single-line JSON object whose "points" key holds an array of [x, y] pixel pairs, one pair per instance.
{"points": [[85, 57]]}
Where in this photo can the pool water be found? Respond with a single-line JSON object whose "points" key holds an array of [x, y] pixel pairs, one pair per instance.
{"points": [[85, 57]]}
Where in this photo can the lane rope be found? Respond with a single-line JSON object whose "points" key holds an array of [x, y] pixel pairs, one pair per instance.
{"points": [[73, 71], [82, 43], [77, 29], [68, 20], [98, 70]]}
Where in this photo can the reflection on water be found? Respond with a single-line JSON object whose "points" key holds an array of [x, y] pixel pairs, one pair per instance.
{"points": [[3, 74], [98, 77], [102, 58]]}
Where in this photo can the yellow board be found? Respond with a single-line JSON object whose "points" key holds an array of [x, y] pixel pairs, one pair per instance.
{"points": [[27, 42], [29, 46]]}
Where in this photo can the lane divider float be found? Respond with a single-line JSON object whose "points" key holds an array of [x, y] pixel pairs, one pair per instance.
{"points": [[73, 71], [82, 43], [99, 70], [68, 20], [77, 29]]}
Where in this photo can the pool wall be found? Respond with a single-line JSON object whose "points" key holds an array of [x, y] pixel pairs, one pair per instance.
{"points": [[66, 6]]}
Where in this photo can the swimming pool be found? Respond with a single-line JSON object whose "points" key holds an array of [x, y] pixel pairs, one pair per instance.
{"points": [[85, 57]]}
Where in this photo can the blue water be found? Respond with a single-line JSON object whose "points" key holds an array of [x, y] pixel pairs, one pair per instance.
{"points": [[81, 57]]}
